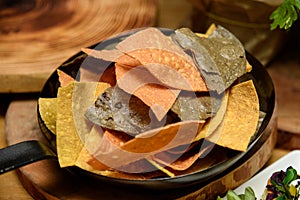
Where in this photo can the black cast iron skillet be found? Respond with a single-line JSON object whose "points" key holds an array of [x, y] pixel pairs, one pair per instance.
{"points": [[23, 153]]}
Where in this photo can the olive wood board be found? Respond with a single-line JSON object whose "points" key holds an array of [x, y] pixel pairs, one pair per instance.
{"points": [[36, 36], [46, 180]]}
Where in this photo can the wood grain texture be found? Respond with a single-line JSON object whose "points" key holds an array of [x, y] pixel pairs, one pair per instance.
{"points": [[36, 36]]}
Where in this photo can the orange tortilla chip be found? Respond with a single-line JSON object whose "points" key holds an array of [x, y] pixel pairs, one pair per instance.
{"points": [[139, 82], [141, 40], [112, 55], [64, 78], [241, 118], [154, 52], [109, 55], [85, 156], [150, 143], [170, 69], [160, 49], [110, 139], [209, 158], [183, 162]]}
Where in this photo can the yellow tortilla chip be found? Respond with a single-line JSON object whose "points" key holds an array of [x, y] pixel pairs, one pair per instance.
{"points": [[158, 166], [208, 32], [48, 111], [211, 125], [241, 118], [71, 126]]}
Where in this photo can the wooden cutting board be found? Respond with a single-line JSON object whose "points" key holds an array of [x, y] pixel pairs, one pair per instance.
{"points": [[36, 36], [46, 180]]}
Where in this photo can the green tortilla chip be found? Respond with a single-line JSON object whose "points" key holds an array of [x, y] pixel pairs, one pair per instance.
{"points": [[193, 106], [220, 57]]}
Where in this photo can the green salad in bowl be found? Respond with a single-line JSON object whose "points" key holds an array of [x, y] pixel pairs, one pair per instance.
{"points": [[282, 185]]}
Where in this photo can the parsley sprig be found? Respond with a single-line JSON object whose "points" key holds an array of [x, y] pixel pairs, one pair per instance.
{"points": [[285, 15]]}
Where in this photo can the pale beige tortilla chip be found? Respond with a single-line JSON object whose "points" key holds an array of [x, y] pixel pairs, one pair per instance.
{"points": [[48, 112], [241, 118], [71, 126]]}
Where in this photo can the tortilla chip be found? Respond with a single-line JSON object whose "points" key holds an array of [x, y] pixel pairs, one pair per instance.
{"points": [[150, 143], [181, 161], [48, 112], [71, 125], [168, 66], [110, 139], [109, 76], [241, 118], [160, 49], [220, 58], [248, 67], [118, 110], [64, 78], [206, 160], [211, 125], [85, 156], [109, 55], [112, 55], [161, 168], [196, 106], [69, 144], [140, 83]]}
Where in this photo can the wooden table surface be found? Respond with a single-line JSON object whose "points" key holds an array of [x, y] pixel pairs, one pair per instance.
{"points": [[172, 14]]}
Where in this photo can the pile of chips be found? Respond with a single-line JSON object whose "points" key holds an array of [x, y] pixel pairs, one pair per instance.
{"points": [[167, 105]]}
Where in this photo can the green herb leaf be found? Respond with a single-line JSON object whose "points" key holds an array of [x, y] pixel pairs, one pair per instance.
{"points": [[249, 194], [231, 195], [277, 186], [291, 175], [285, 15]]}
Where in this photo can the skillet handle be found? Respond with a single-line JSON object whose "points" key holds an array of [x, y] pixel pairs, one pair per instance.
{"points": [[23, 153]]}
